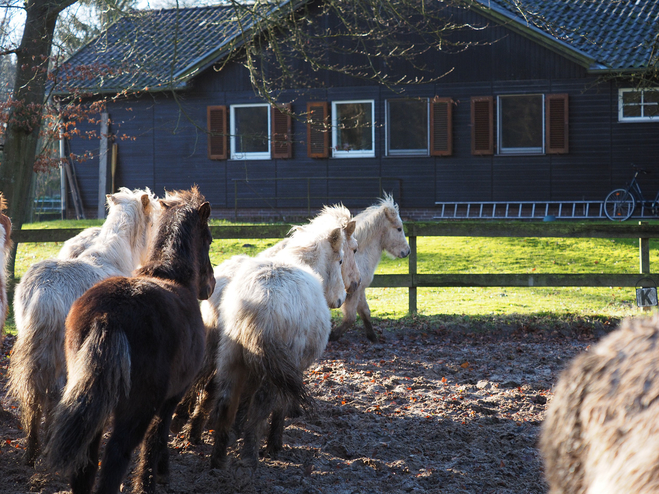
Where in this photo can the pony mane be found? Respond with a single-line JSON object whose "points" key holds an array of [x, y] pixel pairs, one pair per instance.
{"points": [[174, 230], [3, 203], [371, 221]]}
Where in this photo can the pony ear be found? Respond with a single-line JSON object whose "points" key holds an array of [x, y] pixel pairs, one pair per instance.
{"points": [[146, 203], [391, 214], [350, 228], [205, 211], [110, 199], [164, 204], [336, 239]]}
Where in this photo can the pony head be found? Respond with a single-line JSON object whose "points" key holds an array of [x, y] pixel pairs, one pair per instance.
{"points": [[339, 215], [134, 211], [182, 244], [393, 237], [322, 252]]}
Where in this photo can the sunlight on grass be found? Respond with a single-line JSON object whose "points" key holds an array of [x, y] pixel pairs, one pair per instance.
{"points": [[461, 255]]}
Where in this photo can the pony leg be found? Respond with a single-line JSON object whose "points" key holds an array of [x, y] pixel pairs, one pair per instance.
{"points": [[182, 412], [276, 435], [226, 416], [204, 407], [256, 413], [82, 480], [154, 457], [365, 313], [31, 413], [127, 435], [349, 309]]}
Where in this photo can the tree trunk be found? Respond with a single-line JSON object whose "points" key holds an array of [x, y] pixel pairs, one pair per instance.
{"points": [[24, 120]]}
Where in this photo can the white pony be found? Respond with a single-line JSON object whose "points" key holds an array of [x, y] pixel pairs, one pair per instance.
{"points": [[275, 321], [379, 228], [203, 391], [42, 300], [5, 249], [75, 246]]}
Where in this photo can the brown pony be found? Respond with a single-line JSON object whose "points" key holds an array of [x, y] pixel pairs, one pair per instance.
{"points": [[133, 346]]}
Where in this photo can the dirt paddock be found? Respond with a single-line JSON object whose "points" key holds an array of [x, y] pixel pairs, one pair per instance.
{"points": [[428, 409]]}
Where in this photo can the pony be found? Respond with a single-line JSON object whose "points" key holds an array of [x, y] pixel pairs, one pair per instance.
{"points": [[133, 347], [5, 250], [378, 228], [601, 433], [202, 394], [45, 294], [274, 321], [75, 246]]}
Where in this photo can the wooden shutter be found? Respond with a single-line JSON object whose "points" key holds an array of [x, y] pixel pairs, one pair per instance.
{"points": [[441, 127], [217, 132], [282, 147], [482, 130], [317, 129], [556, 125]]}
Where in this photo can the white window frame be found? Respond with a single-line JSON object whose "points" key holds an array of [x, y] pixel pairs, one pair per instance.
{"points": [[517, 151], [362, 153], [406, 152], [233, 136], [622, 118]]}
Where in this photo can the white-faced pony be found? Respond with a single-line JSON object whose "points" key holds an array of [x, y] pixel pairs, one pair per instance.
{"points": [[45, 294], [275, 320], [378, 228], [203, 392]]}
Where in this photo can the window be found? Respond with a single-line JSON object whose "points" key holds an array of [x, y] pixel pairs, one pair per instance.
{"points": [[353, 132], [407, 127], [250, 132], [638, 105], [521, 124]]}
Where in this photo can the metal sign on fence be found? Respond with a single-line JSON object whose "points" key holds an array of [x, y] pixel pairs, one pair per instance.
{"points": [[646, 296]]}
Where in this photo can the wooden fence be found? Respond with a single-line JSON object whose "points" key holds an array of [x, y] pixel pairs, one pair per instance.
{"points": [[470, 228]]}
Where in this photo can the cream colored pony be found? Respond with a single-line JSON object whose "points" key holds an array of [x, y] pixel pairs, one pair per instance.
{"points": [[46, 292], [378, 229], [274, 322]]}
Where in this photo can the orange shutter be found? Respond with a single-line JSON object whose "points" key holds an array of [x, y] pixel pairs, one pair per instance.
{"points": [[556, 126], [217, 132], [317, 129], [282, 147], [441, 127], [482, 140]]}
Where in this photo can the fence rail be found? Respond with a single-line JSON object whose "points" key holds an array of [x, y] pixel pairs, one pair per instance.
{"points": [[413, 280]]}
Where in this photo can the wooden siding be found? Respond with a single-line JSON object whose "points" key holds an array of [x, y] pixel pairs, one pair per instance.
{"points": [[170, 152]]}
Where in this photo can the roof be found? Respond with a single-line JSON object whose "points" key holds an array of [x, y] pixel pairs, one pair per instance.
{"points": [[603, 35], [163, 49]]}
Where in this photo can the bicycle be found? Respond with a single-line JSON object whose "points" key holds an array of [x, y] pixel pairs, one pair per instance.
{"points": [[619, 205]]}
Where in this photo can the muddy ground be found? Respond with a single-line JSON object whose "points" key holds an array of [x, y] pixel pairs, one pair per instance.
{"points": [[428, 409]]}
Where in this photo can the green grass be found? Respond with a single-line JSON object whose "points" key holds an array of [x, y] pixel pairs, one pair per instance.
{"points": [[465, 255]]}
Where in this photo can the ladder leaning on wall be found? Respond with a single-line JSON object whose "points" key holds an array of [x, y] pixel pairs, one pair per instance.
{"points": [[521, 210]]}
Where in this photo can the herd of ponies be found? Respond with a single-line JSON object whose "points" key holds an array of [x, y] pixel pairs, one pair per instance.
{"points": [[111, 334]]}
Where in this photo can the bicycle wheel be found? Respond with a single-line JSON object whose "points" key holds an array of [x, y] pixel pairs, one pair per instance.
{"points": [[619, 205]]}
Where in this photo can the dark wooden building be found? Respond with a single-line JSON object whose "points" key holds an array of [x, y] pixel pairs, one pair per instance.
{"points": [[536, 110]]}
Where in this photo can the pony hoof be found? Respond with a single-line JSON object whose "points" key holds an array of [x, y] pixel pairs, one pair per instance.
{"points": [[219, 463], [177, 424], [334, 336], [373, 337]]}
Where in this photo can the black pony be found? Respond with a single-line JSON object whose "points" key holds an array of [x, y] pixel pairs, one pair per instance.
{"points": [[133, 346]]}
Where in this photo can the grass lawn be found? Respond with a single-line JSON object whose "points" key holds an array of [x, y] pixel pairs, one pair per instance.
{"points": [[465, 255]]}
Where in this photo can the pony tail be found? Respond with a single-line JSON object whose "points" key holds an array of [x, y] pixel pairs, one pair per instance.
{"points": [[98, 378], [277, 366]]}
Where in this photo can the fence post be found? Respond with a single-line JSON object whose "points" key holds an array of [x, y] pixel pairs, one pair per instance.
{"points": [[412, 270]]}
